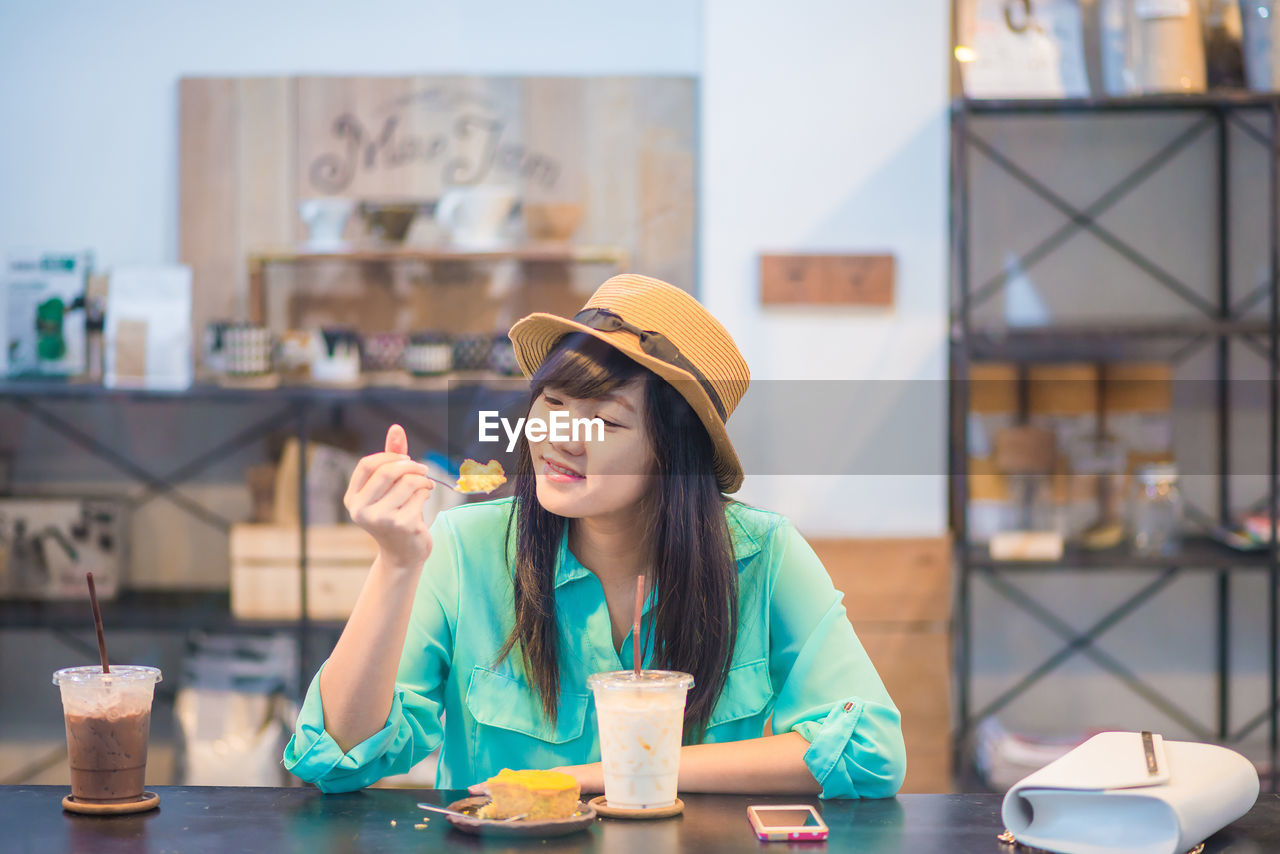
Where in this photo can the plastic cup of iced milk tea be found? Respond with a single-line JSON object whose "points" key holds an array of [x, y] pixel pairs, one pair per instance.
{"points": [[108, 718], [641, 721]]}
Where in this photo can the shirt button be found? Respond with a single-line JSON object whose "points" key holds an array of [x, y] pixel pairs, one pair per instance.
{"points": [[848, 707]]}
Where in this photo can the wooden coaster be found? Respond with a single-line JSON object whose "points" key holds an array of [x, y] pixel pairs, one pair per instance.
{"points": [[602, 808], [148, 801]]}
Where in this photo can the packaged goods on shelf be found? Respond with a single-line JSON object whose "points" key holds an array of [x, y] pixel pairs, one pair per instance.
{"points": [[1021, 50], [335, 355], [148, 328], [429, 353], [42, 313], [383, 351], [502, 358], [238, 349], [471, 352], [1105, 421]]}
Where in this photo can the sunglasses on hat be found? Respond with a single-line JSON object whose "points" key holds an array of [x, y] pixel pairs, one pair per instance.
{"points": [[652, 343]]}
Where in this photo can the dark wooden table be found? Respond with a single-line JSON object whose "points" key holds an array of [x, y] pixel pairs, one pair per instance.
{"points": [[276, 821]]}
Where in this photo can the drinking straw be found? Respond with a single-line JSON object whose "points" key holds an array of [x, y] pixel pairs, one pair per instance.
{"points": [[636, 643], [97, 623]]}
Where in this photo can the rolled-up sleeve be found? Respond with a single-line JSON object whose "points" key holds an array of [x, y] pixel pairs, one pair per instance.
{"points": [[413, 728], [827, 688]]}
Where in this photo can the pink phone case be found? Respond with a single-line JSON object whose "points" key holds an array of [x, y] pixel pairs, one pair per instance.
{"points": [[797, 834]]}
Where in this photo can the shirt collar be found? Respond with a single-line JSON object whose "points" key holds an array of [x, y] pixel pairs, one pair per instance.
{"points": [[744, 545]]}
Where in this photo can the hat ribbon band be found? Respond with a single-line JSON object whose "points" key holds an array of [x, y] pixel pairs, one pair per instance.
{"points": [[652, 343]]}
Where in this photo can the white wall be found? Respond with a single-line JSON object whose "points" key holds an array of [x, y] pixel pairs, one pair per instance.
{"points": [[824, 129]]}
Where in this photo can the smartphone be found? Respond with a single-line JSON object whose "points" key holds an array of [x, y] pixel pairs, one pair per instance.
{"points": [[795, 822]]}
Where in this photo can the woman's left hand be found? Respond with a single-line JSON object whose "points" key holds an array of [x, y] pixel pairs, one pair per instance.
{"points": [[590, 778]]}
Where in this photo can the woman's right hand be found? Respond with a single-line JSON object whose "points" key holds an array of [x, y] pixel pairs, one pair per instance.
{"points": [[385, 497]]}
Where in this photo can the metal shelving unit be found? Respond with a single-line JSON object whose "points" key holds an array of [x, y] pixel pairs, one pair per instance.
{"points": [[422, 408], [1210, 322]]}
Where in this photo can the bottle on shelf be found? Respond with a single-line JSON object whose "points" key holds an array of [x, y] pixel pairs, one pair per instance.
{"points": [[1156, 512]]}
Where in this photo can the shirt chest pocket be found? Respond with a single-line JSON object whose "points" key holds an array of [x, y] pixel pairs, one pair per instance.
{"points": [[747, 693], [499, 701]]}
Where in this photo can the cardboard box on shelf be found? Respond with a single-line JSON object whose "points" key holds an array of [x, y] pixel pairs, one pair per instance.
{"points": [[993, 388], [265, 575], [1069, 389], [1139, 399], [1138, 387]]}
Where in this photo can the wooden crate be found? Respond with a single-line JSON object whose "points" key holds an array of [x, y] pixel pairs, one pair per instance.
{"points": [[265, 571], [898, 595]]}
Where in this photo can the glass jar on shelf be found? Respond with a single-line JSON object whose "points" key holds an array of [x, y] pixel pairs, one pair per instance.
{"points": [[1156, 510]]}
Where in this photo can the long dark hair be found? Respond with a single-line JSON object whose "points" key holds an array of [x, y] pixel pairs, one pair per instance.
{"points": [[694, 622]]}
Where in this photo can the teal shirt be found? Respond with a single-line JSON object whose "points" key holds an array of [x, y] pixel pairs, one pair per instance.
{"points": [[797, 659]]}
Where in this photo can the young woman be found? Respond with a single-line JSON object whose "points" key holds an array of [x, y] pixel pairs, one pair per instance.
{"points": [[481, 632]]}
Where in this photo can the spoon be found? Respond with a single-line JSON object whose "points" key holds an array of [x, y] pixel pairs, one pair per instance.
{"points": [[435, 808], [452, 486]]}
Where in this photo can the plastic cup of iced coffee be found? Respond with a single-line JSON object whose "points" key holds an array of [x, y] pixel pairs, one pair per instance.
{"points": [[641, 721], [108, 718]]}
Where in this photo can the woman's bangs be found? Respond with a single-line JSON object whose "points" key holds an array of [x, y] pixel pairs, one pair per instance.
{"points": [[584, 367]]}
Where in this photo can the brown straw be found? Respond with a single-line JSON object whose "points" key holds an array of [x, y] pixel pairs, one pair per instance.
{"points": [[636, 643], [97, 623]]}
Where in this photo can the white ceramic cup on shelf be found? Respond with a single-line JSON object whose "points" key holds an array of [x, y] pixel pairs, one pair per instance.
{"points": [[474, 217], [326, 220]]}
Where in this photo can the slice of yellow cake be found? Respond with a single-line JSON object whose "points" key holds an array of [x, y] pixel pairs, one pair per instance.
{"points": [[474, 477], [537, 795]]}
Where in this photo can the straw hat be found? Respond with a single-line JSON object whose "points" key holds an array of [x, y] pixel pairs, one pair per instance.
{"points": [[670, 333]]}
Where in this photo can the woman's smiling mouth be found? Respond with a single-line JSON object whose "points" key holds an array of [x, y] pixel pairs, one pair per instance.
{"points": [[560, 473]]}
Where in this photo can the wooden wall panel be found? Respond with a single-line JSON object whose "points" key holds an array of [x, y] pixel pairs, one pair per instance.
{"points": [[891, 579], [668, 171], [208, 198], [898, 595], [612, 177], [266, 186]]}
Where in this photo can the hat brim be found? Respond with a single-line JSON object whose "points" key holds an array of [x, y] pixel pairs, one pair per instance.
{"points": [[534, 336]]}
